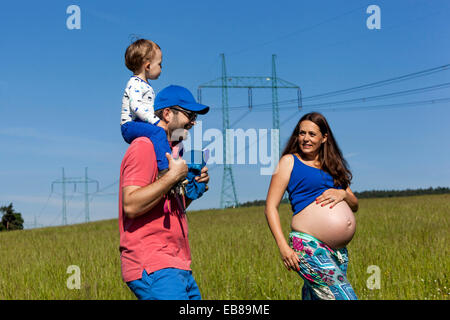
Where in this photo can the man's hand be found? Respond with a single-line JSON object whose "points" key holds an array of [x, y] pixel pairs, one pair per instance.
{"points": [[138, 200], [178, 168], [203, 177]]}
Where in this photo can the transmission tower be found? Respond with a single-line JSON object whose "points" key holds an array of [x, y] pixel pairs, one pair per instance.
{"points": [[74, 182], [228, 194]]}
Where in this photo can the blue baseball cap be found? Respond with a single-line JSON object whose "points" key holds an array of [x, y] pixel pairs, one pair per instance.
{"points": [[178, 96]]}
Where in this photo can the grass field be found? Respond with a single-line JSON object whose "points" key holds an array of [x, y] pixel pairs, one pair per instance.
{"points": [[235, 257]]}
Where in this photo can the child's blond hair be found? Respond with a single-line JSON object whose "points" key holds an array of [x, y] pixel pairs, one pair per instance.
{"points": [[138, 52]]}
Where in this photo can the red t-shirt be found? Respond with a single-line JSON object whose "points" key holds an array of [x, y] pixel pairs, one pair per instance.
{"points": [[159, 238]]}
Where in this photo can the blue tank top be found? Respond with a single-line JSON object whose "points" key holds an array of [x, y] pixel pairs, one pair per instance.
{"points": [[306, 184]]}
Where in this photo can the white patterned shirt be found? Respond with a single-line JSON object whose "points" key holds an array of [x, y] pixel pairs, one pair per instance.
{"points": [[137, 102]]}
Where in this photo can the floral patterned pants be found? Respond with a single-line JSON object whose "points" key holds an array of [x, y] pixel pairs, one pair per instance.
{"points": [[323, 269]]}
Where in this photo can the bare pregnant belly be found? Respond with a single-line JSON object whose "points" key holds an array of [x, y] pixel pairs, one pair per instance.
{"points": [[335, 226]]}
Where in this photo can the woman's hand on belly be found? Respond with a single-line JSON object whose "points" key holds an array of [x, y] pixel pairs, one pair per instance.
{"points": [[334, 196], [331, 196]]}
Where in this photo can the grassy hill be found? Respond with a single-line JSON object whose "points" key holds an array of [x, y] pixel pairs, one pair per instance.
{"points": [[235, 257]]}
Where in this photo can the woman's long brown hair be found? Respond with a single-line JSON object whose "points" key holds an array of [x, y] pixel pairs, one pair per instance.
{"points": [[330, 156]]}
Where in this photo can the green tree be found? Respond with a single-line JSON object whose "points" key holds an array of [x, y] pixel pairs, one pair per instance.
{"points": [[11, 220]]}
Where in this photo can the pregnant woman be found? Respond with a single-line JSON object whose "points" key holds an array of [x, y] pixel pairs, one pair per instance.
{"points": [[317, 178]]}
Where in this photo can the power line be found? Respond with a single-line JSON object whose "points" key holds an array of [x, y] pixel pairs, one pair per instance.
{"points": [[393, 105], [401, 24], [429, 102], [45, 206], [377, 97], [359, 100], [107, 187], [298, 31], [382, 106], [381, 83], [363, 36], [246, 113], [364, 87], [330, 106]]}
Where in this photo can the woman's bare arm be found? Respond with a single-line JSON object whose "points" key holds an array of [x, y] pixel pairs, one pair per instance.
{"points": [[351, 199], [278, 185]]}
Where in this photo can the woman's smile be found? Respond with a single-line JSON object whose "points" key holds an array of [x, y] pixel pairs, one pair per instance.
{"points": [[310, 138]]}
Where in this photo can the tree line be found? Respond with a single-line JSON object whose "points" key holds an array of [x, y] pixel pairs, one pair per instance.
{"points": [[371, 194]]}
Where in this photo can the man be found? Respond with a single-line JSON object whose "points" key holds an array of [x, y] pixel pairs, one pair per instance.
{"points": [[155, 253]]}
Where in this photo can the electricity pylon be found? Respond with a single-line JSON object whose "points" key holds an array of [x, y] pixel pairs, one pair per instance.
{"points": [[74, 181], [228, 194]]}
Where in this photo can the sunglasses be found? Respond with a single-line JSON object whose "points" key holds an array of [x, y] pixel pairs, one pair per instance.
{"points": [[192, 116]]}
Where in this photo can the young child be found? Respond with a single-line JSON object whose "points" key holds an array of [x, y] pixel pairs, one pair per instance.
{"points": [[143, 58]]}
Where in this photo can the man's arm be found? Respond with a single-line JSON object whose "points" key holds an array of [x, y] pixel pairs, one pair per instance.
{"points": [[139, 200]]}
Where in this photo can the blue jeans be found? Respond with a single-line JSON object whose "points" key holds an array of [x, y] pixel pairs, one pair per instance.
{"points": [[166, 284], [135, 129]]}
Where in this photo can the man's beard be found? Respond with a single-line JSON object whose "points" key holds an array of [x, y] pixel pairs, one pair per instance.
{"points": [[178, 135], [177, 132]]}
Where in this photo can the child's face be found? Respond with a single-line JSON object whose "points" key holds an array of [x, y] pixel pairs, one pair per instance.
{"points": [[153, 69]]}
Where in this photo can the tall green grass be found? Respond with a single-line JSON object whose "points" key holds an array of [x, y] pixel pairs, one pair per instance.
{"points": [[235, 257]]}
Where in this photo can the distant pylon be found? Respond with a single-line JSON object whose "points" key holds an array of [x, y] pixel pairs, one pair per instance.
{"points": [[275, 110], [228, 196], [75, 181], [86, 195], [64, 212]]}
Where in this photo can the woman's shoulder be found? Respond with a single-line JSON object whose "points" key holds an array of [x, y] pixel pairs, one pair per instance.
{"points": [[286, 163], [287, 159]]}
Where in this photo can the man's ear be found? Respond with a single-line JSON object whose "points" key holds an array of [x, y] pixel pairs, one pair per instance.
{"points": [[167, 113]]}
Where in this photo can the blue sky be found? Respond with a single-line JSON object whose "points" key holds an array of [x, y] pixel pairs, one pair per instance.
{"points": [[61, 89]]}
